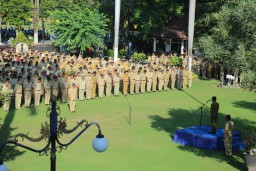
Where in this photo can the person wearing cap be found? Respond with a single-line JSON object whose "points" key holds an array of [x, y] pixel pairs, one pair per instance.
{"points": [[37, 87], [125, 79], [7, 100], [27, 86], [81, 87], [47, 90], [229, 127], [55, 86], [64, 89], [160, 77], [101, 84], [18, 94], [137, 82], [108, 80], [132, 80], [93, 84], [143, 81], [154, 80], [173, 77], [116, 84], [149, 76], [72, 95], [166, 79]]}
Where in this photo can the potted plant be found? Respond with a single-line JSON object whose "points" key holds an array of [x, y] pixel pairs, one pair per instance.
{"points": [[249, 138]]}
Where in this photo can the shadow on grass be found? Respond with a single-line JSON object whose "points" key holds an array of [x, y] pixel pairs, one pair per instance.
{"points": [[245, 104], [9, 152], [181, 118]]}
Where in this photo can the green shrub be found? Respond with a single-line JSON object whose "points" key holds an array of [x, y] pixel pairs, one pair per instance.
{"points": [[20, 38], [139, 56], [249, 81], [123, 52], [110, 53], [175, 61]]}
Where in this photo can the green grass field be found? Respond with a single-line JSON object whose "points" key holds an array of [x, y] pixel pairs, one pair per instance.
{"points": [[146, 144]]}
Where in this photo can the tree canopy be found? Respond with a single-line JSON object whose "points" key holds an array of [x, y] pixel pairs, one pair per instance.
{"points": [[82, 29], [233, 39]]}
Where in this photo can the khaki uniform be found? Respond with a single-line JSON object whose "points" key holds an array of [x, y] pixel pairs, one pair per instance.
{"points": [[116, 81], [166, 80], [47, 91], [154, 81], [160, 81], [101, 85], [64, 91], [27, 93], [37, 92], [132, 82], [125, 83], [55, 87], [108, 85], [142, 83], [149, 81], [7, 101], [229, 127], [173, 79], [18, 95], [94, 86], [81, 86], [72, 94], [214, 115], [88, 88], [137, 84]]}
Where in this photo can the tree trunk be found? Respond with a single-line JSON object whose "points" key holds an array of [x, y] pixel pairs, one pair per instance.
{"points": [[36, 21]]}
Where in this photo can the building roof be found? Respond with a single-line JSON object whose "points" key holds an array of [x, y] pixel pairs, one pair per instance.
{"points": [[176, 28]]}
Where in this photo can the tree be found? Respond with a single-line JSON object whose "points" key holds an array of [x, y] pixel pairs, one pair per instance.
{"points": [[233, 39], [18, 11], [82, 29], [3, 11]]}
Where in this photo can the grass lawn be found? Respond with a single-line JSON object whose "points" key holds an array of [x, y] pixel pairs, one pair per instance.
{"points": [[146, 144]]}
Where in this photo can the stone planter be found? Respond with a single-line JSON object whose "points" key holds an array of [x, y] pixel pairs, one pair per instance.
{"points": [[250, 161]]}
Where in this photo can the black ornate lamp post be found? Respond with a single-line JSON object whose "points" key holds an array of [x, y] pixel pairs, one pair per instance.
{"points": [[52, 133]]}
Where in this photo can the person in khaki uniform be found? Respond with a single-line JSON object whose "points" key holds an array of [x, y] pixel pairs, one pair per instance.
{"points": [[88, 86], [173, 77], [190, 78], [64, 89], [47, 90], [37, 87], [137, 83], [55, 86], [81, 87], [154, 80], [132, 80], [94, 85], [108, 80], [149, 80], [143, 81], [18, 94], [101, 85], [6, 87], [214, 114], [160, 77], [125, 82], [72, 95], [116, 84], [185, 78], [229, 127], [27, 91], [166, 79]]}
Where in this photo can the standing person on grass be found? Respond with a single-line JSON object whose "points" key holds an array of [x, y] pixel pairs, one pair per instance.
{"points": [[229, 127]]}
